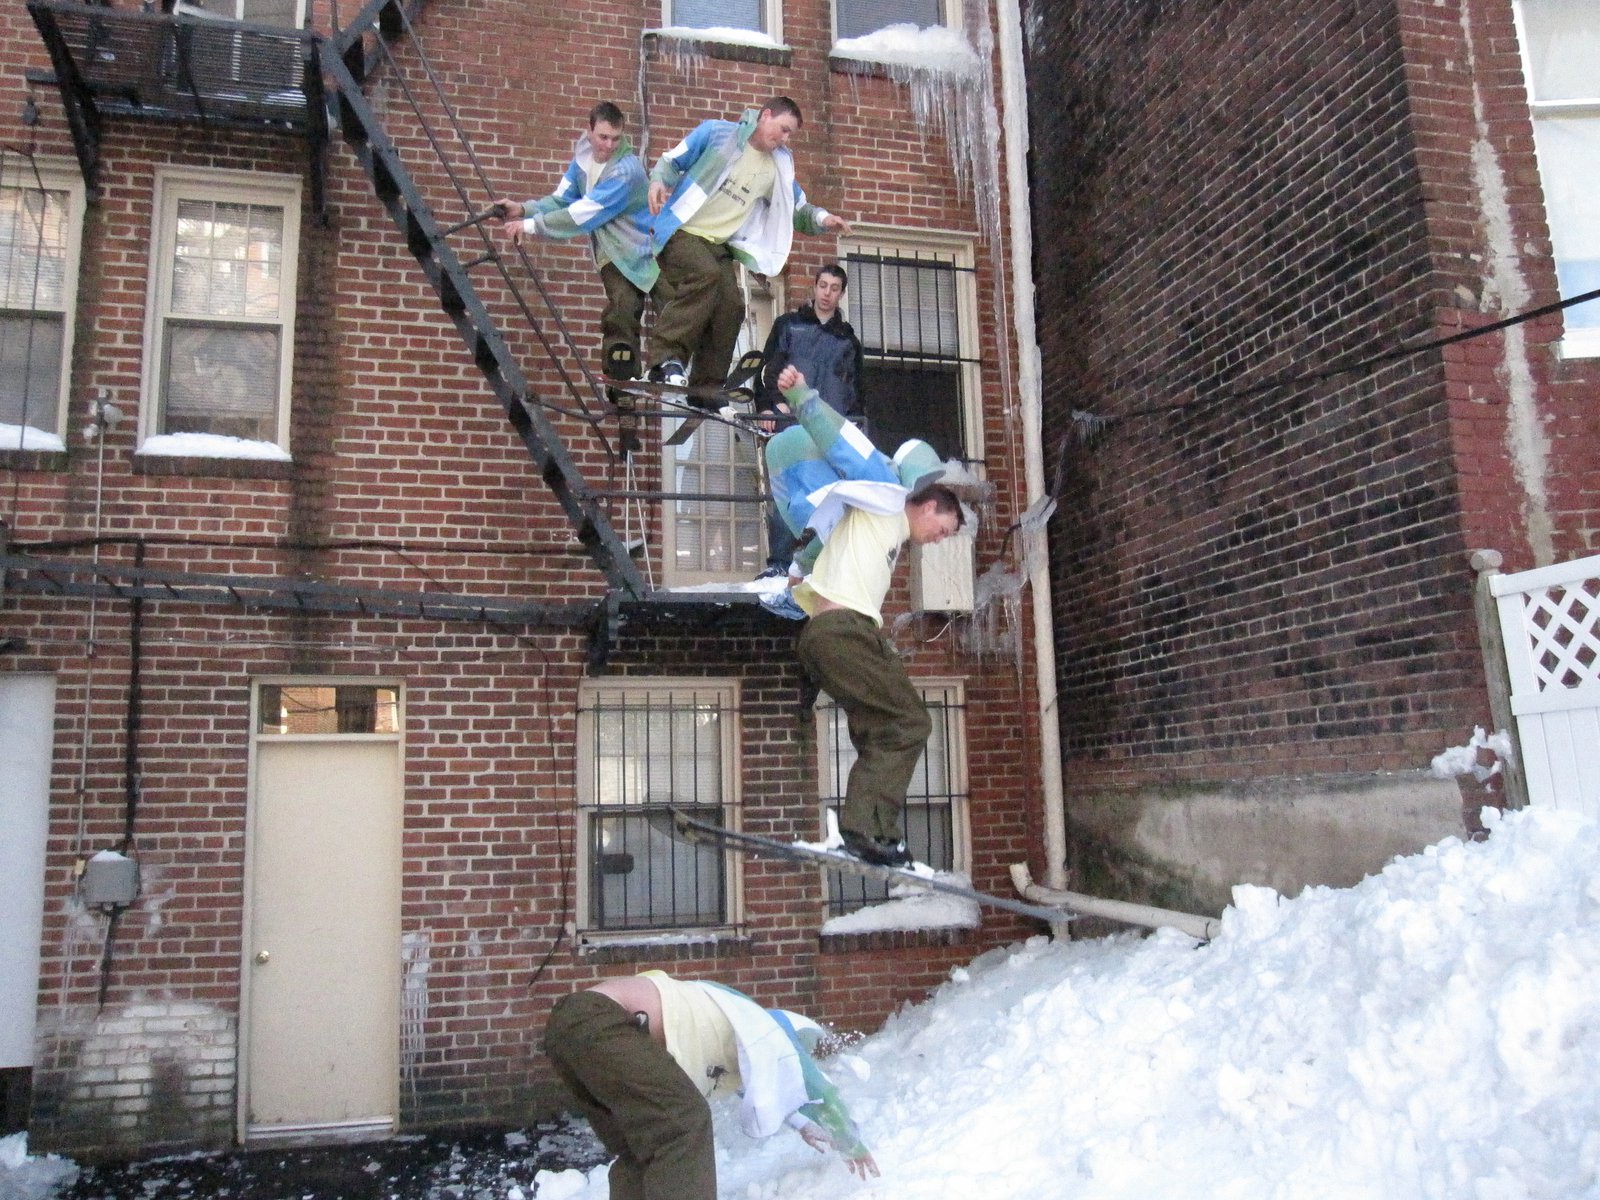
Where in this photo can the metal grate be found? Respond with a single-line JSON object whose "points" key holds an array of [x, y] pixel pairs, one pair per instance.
{"points": [[933, 801], [648, 751]]}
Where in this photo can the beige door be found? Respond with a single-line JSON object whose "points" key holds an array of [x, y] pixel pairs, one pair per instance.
{"points": [[323, 957]]}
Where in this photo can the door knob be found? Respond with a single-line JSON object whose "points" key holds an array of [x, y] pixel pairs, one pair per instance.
{"points": [[262, 956]]}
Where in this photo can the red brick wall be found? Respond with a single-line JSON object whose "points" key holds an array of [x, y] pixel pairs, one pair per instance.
{"points": [[405, 475], [1276, 583]]}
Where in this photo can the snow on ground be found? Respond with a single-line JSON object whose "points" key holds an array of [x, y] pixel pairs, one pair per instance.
{"points": [[1430, 1034], [1433, 1032], [26, 1178]]}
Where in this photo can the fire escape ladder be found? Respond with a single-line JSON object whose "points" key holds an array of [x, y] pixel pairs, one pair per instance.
{"points": [[347, 60]]}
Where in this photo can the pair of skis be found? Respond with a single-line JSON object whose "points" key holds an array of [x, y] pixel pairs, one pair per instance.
{"points": [[736, 389], [696, 830]]}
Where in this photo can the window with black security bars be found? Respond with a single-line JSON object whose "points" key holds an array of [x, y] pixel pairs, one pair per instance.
{"points": [[935, 811], [906, 309], [646, 750]]}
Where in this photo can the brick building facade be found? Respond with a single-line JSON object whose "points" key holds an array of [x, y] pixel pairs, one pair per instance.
{"points": [[1263, 603], [220, 653]]}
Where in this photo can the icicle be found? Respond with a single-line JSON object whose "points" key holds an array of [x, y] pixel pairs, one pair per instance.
{"points": [[951, 82]]}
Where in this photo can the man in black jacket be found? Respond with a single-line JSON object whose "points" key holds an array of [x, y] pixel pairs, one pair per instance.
{"points": [[817, 340]]}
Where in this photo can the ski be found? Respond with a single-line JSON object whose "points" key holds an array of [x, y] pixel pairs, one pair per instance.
{"points": [[697, 830]]}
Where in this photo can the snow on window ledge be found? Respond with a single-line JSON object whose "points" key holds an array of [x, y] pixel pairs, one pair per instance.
{"points": [[637, 946], [723, 41], [917, 910], [937, 50], [29, 437], [210, 445]]}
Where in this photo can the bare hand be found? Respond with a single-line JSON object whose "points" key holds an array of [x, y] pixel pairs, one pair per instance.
{"points": [[766, 423], [658, 198], [790, 377], [863, 1166], [837, 224], [507, 211]]}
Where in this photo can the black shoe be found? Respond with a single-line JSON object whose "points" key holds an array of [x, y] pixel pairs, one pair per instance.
{"points": [[773, 572], [879, 852], [620, 362], [669, 371]]}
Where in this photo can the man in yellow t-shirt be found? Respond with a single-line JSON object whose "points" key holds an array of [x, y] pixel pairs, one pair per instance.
{"points": [[640, 1055], [724, 195], [843, 648]]}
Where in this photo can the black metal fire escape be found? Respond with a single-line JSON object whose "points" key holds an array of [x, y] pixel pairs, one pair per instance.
{"points": [[347, 59], [189, 67]]}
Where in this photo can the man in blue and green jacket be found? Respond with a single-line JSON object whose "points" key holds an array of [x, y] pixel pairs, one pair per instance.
{"points": [[603, 194], [724, 195]]}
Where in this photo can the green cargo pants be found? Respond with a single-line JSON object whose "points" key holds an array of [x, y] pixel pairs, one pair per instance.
{"points": [[645, 1109], [699, 322], [848, 656]]}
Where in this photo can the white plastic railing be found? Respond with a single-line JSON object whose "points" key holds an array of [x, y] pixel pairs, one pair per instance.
{"points": [[1550, 622]]}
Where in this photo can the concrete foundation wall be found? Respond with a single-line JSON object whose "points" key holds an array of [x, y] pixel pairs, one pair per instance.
{"points": [[1187, 847]]}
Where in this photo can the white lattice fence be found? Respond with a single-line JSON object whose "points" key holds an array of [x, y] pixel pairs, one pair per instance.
{"points": [[1550, 619]]}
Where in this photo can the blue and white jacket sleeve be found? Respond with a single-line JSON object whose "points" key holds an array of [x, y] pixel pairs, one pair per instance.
{"points": [[612, 196]]}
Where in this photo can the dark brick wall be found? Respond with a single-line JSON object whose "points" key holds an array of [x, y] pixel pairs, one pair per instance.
{"points": [[1251, 580]]}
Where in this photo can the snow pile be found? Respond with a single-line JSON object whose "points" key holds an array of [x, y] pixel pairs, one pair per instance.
{"points": [[1433, 1032], [1466, 760], [24, 1178]]}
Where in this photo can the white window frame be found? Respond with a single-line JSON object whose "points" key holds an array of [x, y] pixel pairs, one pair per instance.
{"points": [[957, 249], [217, 10], [846, 891], [771, 15], [765, 297], [173, 185], [56, 175], [951, 16], [657, 692], [1584, 342]]}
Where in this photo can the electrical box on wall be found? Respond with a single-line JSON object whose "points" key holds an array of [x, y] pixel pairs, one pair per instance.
{"points": [[942, 575], [110, 880]]}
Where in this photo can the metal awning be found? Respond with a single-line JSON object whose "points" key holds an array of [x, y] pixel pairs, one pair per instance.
{"points": [[188, 68]]}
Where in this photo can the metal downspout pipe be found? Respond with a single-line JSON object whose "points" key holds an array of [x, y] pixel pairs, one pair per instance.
{"points": [[1014, 93], [1201, 928]]}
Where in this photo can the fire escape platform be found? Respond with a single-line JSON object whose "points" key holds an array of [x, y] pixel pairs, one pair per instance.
{"points": [[187, 68]]}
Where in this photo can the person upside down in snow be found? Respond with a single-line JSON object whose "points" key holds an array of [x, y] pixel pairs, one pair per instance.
{"points": [[851, 508], [641, 1054]]}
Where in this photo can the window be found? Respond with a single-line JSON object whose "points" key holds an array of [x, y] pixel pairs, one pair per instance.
{"points": [[221, 332], [286, 708], [41, 215], [645, 748], [1561, 44], [718, 540], [857, 18], [758, 16], [286, 13], [913, 305], [936, 801]]}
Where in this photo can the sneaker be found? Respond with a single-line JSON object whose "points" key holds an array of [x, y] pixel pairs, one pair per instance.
{"points": [[880, 852], [773, 572], [669, 371], [620, 362]]}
